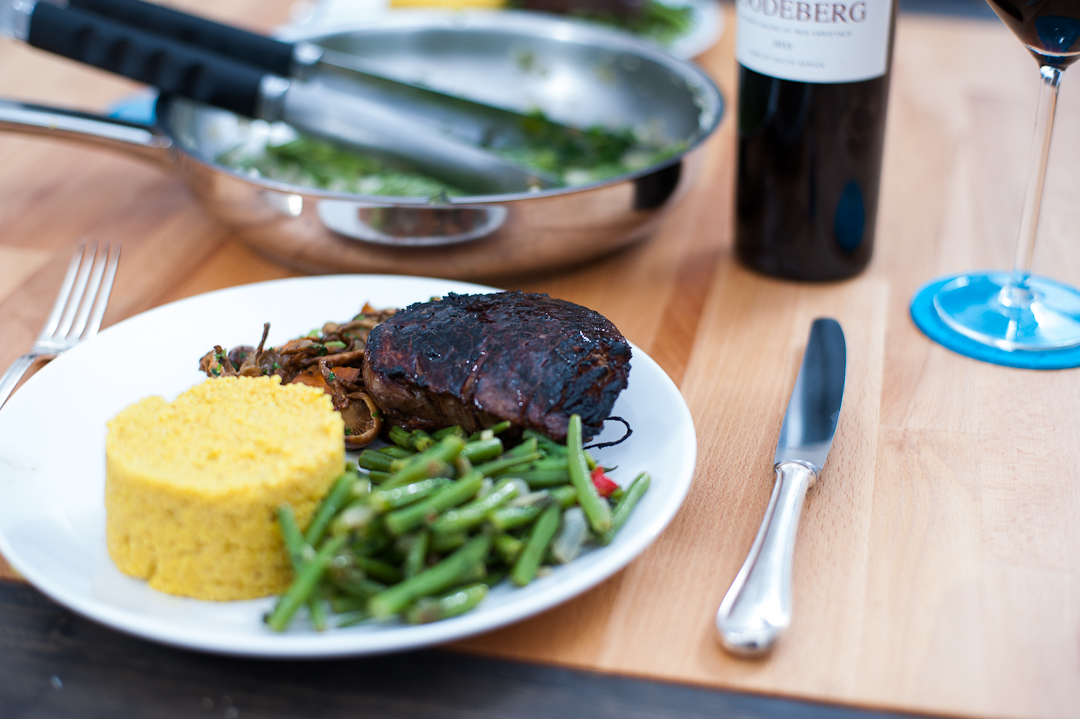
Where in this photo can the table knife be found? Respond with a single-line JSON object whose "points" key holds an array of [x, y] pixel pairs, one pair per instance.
{"points": [[757, 607]]}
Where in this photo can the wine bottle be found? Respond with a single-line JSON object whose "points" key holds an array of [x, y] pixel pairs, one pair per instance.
{"points": [[813, 90]]}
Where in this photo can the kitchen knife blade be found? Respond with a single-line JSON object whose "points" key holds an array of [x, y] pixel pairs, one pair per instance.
{"points": [[757, 606]]}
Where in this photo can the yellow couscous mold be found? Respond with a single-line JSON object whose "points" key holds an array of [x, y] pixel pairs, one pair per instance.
{"points": [[192, 485]]}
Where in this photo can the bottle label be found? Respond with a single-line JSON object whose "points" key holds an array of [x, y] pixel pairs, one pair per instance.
{"points": [[823, 42]]}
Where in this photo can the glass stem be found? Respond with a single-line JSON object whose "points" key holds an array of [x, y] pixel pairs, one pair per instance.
{"points": [[1029, 217]]}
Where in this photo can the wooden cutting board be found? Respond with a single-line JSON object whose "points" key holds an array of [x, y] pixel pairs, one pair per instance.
{"points": [[937, 566]]}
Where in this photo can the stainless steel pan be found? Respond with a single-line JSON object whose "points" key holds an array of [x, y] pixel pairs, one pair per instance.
{"points": [[578, 75]]}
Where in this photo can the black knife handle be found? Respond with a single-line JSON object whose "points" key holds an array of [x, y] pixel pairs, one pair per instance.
{"points": [[269, 54], [173, 68]]}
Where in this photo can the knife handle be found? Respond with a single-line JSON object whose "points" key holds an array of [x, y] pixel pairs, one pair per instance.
{"points": [[757, 606]]}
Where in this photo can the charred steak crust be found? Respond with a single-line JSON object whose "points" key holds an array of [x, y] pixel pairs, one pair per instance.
{"points": [[476, 360]]}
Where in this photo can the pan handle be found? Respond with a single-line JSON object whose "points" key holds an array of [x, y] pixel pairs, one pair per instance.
{"points": [[130, 138]]}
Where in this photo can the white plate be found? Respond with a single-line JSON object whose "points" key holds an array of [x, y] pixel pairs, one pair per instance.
{"points": [[52, 470], [332, 16]]}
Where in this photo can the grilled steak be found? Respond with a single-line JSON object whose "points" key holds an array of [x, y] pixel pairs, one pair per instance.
{"points": [[476, 360]]}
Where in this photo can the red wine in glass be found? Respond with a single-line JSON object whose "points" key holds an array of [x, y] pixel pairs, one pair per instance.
{"points": [[1019, 312], [1050, 29]]}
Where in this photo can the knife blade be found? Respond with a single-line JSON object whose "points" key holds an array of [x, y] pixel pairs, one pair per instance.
{"points": [[757, 607]]}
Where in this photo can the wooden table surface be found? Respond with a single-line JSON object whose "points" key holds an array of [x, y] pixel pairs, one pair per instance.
{"points": [[937, 567]]}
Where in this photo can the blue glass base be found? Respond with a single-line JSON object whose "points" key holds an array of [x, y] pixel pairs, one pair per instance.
{"points": [[926, 318]]}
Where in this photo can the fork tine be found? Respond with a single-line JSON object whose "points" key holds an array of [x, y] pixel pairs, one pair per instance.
{"points": [[77, 291], [101, 302], [89, 296], [65, 292]]}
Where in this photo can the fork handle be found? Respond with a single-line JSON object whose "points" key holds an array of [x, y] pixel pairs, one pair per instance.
{"points": [[14, 374]]}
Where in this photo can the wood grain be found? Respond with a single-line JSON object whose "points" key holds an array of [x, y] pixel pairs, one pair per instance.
{"points": [[937, 567]]}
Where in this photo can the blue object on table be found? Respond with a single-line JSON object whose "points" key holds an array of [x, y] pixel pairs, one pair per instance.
{"points": [[135, 108], [926, 319]]}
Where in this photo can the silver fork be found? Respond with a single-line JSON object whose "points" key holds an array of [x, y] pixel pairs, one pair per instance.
{"points": [[77, 313]]}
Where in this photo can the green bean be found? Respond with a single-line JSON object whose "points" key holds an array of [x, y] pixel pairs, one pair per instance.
{"points": [[384, 500], [361, 488], [417, 554], [505, 518], [487, 485], [626, 505], [343, 564], [495, 577], [395, 452], [540, 536], [443, 543], [371, 459], [431, 581], [377, 575], [455, 430], [400, 437], [433, 609], [528, 446], [546, 444], [462, 465], [407, 518], [342, 603], [297, 550], [352, 518], [507, 547], [392, 553], [334, 500], [379, 570], [473, 513], [596, 507], [505, 463], [500, 427], [351, 618], [420, 440], [294, 539], [345, 573], [491, 431], [378, 477], [482, 450], [317, 609], [540, 478], [306, 580], [432, 467], [476, 573], [427, 464], [358, 587], [549, 463], [527, 507], [566, 496], [371, 539]]}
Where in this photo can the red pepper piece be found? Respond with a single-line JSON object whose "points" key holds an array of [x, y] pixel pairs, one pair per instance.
{"points": [[604, 485]]}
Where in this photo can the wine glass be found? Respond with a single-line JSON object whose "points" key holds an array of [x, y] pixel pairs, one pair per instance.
{"points": [[1018, 311]]}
